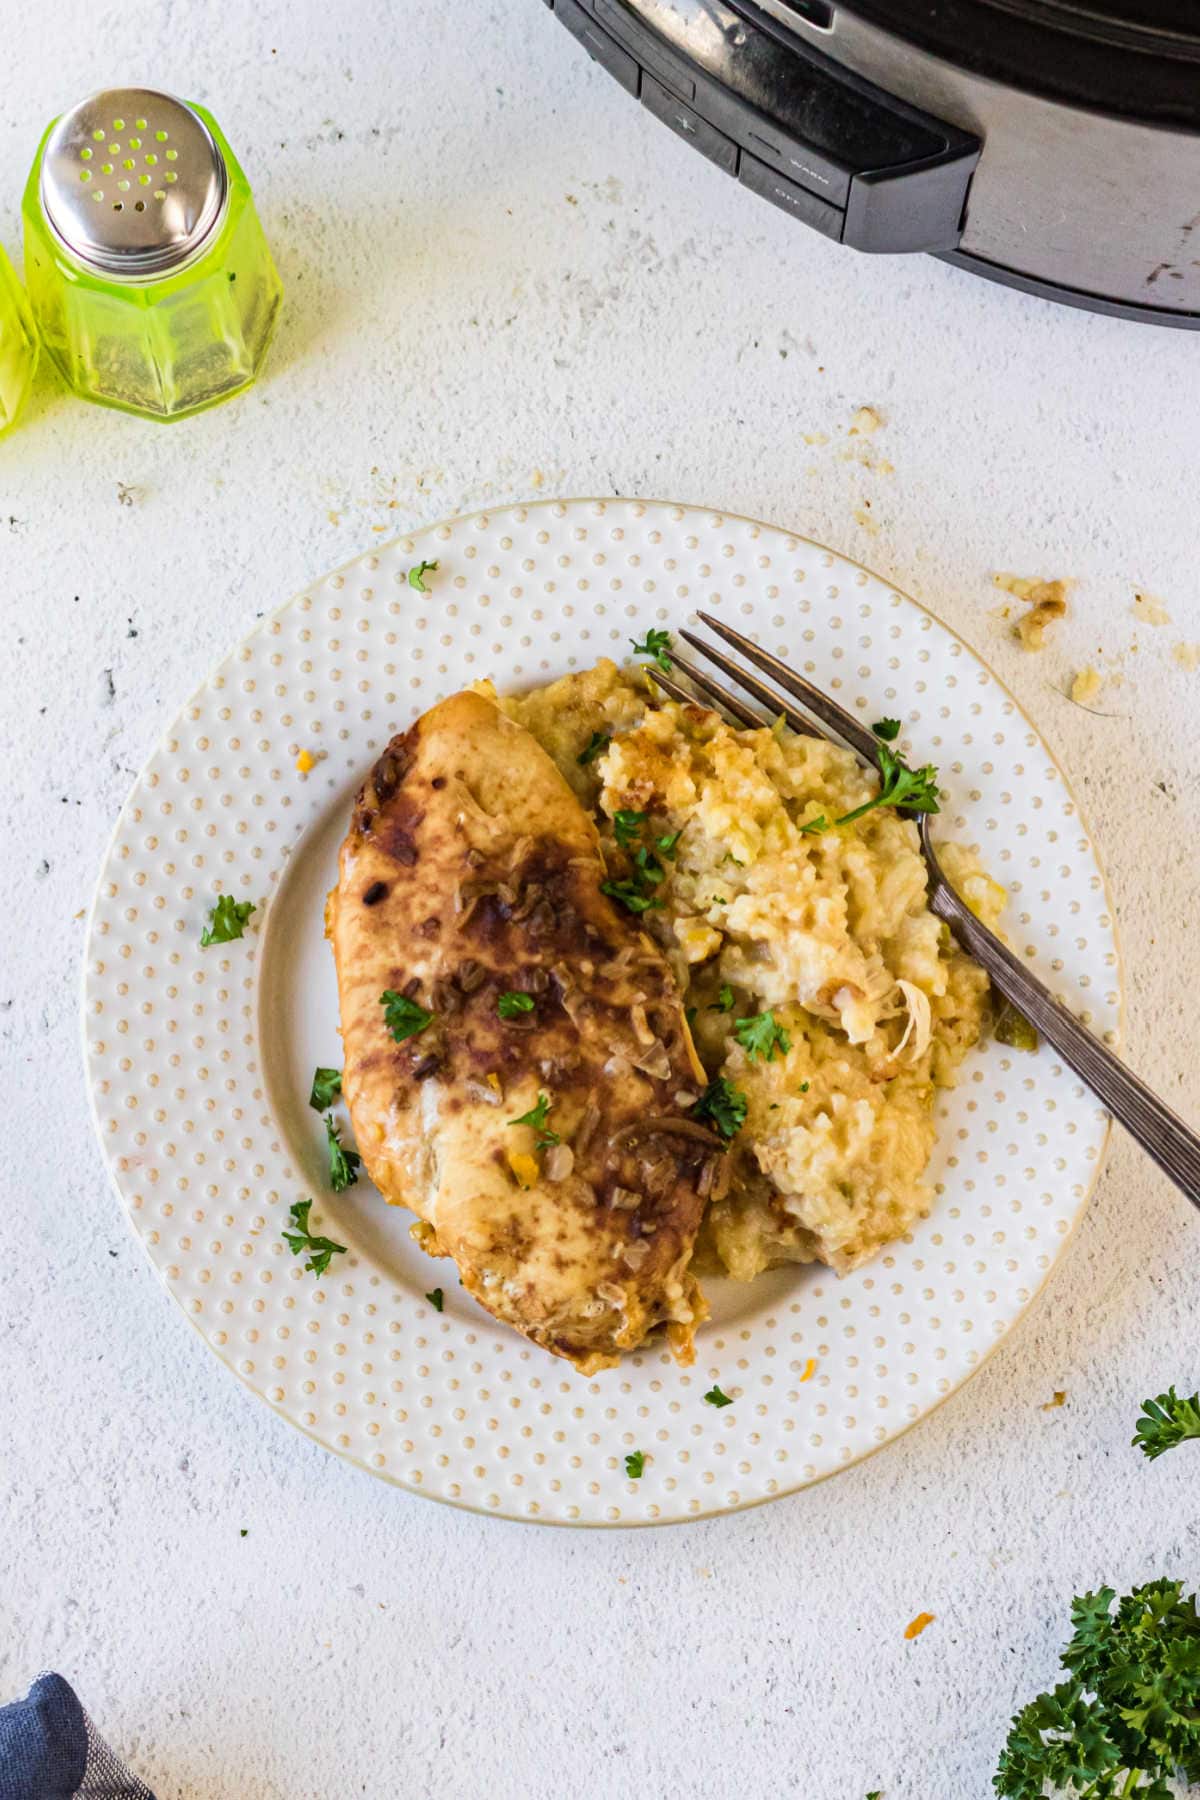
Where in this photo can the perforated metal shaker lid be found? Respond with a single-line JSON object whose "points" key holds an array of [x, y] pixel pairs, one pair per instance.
{"points": [[133, 182]]}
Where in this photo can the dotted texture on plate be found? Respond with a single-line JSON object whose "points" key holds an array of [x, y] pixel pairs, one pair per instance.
{"points": [[197, 1058]]}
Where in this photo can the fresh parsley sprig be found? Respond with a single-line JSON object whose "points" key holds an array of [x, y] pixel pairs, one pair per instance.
{"points": [[914, 789], [403, 1017], [320, 1249], [226, 921], [657, 647], [724, 1105], [1128, 1709], [326, 1088], [416, 576], [1165, 1422], [343, 1164], [760, 1036], [536, 1117]]}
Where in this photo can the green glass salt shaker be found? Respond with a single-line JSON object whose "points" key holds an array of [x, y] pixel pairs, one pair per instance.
{"points": [[18, 344], [147, 267]]}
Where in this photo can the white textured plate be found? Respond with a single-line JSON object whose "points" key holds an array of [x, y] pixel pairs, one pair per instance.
{"points": [[200, 1060]]}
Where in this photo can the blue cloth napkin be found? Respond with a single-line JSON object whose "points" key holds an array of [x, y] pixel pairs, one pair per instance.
{"points": [[50, 1750]]}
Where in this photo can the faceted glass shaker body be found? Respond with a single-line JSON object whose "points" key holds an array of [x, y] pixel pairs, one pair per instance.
{"points": [[164, 347], [18, 344]]}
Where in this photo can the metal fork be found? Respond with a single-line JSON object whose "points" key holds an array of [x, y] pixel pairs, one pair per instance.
{"points": [[1157, 1129]]}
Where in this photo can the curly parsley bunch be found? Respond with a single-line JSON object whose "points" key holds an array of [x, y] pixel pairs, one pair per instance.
{"points": [[1128, 1719]]}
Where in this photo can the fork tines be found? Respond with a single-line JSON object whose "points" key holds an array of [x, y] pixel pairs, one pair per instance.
{"points": [[858, 736], [744, 714]]}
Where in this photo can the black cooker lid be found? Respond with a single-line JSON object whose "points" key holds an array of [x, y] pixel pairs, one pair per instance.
{"points": [[1136, 58]]}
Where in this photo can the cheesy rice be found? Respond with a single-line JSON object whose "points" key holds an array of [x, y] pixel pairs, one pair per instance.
{"points": [[765, 908]]}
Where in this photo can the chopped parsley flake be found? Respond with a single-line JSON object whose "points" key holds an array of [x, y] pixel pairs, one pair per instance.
{"points": [[320, 1249], [725, 1105], [715, 1397], [536, 1117], [343, 1164], [511, 1005], [416, 576], [657, 646], [724, 999], [630, 896], [627, 827], [820, 823], [648, 867], [596, 745], [326, 1088], [226, 921], [887, 730], [402, 1016], [647, 872], [437, 1299], [760, 1036], [635, 1462], [804, 1087]]}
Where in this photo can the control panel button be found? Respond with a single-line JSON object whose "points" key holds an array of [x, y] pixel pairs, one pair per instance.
{"points": [[798, 162], [686, 121], [650, 51], [790, 197], [598, 44]]}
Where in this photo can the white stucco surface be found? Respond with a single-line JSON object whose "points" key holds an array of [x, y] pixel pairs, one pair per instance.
{"points": [[503, 280]]}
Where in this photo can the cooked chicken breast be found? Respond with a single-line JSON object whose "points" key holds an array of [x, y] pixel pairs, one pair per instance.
{"points": [[471, 871]]}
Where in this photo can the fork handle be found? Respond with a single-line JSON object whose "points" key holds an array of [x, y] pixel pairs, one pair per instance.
{"points": [[1161, 1134]]}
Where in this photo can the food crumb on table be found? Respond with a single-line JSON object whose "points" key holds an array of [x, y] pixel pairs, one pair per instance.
{"points": [[1150, 610], [1086, 686], [1047, 602], [916, 1626]]}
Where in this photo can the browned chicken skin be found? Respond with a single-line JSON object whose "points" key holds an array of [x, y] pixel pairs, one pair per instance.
{"points": [[471, 870]]}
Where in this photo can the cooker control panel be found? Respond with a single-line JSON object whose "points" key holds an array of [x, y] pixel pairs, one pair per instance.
{"points": [[817, 140]]}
